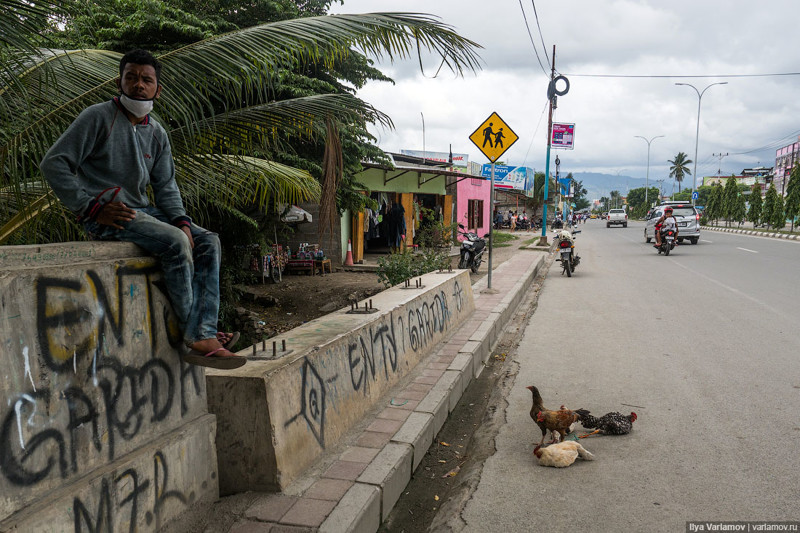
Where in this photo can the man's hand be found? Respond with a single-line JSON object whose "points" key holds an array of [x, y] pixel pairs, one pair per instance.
{"points": [[112, 213], [188, 233]]}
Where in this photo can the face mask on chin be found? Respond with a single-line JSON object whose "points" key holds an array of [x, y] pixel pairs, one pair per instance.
{"points": [[137, 108]]}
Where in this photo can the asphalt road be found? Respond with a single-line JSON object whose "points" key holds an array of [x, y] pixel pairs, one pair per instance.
{"points": [[703, 345]]}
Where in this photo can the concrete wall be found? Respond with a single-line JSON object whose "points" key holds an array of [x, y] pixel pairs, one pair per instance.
{"points": [[275, 417], [103, 427]]}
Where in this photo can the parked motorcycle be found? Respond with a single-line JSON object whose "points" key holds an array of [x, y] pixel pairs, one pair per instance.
{"points": [[472, 249], [667, 241], [565, 244], [524, 224]]}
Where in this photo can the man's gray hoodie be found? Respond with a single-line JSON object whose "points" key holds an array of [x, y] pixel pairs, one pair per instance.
{"points": [[102, 150]]}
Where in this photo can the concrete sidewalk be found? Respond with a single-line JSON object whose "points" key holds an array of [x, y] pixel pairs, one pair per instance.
{"points": [[356, 489]]}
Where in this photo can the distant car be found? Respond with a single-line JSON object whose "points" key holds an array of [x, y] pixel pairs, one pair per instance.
{"points": [[617, 217], [593, 216], [604, 216], [687, 217]]}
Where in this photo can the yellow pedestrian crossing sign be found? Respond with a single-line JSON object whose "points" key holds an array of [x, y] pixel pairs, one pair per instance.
{"points": [[493, 137]]}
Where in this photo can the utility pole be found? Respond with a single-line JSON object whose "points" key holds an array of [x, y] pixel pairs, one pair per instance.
{"points": [[719, 168], [543, 240]]}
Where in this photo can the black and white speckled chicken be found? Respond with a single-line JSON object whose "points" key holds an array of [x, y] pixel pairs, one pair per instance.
{"points": [[608, 424]]}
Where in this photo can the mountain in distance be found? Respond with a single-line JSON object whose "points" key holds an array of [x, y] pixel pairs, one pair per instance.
{"points": [[598, 185]]}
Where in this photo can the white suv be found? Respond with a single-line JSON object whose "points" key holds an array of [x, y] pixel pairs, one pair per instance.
{"points": [[686, 216]]}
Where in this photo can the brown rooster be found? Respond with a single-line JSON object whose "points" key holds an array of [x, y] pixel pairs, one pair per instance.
{"points": [[556, 421]]}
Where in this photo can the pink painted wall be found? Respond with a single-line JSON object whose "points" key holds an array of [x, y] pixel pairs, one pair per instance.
{"points": [[473, 189]]}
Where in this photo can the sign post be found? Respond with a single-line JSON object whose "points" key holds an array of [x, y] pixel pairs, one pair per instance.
{"points": [[499, 137]]}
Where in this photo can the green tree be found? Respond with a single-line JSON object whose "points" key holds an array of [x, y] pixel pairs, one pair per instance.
{"points": [[792, 206], [756, 205], [637, 207], [778, 218], [739, 209], [770, 205], [228, 135], [679, 167], [730, 200], [581, 202], [714, 208], [616, 200]]}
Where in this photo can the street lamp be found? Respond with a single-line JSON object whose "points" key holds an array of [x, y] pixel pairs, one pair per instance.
{"points": [[697, 135], [647, 177]]}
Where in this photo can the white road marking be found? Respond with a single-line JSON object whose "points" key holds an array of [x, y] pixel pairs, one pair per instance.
{"points": [[709, 242], [747, 250]]}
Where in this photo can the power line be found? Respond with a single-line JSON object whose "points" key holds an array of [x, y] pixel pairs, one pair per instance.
{"points": [[657, 76], [530, 35], [525, 161], [541, 35]]}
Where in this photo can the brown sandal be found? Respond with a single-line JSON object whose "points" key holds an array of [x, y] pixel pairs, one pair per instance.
{"points": [[212, 360]]}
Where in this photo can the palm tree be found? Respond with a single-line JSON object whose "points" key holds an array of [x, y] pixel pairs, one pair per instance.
{"points": [[224, 130], [679, 167]]}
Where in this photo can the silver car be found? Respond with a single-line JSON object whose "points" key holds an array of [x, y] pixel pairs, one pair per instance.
{"points": [[686, 216]]}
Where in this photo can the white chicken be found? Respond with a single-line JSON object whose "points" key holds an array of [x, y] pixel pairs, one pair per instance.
{"points": [[562, 454]]}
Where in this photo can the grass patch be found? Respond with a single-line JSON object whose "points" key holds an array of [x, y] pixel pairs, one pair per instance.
{"points": [[503, 238]]}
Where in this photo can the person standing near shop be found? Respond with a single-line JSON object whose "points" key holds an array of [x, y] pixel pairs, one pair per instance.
{"points": [[101, 167], [397, 227]]}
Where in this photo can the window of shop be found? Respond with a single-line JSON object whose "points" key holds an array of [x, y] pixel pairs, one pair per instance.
{"points": [[475, 214]]}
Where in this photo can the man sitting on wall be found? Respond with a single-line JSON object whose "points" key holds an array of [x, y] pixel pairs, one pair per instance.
{"points": [[100, 169]]}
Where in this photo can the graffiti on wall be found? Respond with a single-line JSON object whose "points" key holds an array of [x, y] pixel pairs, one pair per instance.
{"points": [[374, 354], [132, 497], [101, 376]]}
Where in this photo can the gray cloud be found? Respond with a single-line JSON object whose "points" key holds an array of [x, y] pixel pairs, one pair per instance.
{"points": [[634, 37]]}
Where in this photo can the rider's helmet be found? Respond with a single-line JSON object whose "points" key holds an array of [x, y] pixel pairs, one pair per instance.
{"points": [[668, 210]]}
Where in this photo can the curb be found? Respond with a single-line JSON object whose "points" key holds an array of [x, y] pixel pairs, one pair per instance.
{"points": [[390, 471], [754, 233]]}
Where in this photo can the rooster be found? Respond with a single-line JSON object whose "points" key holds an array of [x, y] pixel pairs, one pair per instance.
{"points": [[562, 454], [558, 422], [608, 424]]}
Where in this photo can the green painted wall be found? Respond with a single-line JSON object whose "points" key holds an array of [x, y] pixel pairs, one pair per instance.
{"points": [[407, 183]]}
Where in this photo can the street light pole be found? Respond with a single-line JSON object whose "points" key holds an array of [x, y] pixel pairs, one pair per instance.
{"points": [[647, 177], [697, 134]]}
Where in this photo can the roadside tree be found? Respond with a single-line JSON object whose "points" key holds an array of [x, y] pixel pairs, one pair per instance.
{"points": [[714, 209], [739, 208], [792, 206], [756, 205], [770, 201], [730, 194], [778, 215]]}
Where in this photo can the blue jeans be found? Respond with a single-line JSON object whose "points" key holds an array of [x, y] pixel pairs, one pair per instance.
{"points": [[192, 275]]}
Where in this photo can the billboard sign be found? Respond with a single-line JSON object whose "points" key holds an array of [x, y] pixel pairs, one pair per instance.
{"points": [[563, 136], [459, 160], [506, 177]]}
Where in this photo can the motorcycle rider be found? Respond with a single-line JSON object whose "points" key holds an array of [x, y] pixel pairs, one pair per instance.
{"points": [[666, 222]]}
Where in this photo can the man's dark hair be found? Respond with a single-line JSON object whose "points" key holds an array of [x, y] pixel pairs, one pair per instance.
{"points": [[140, 57]]}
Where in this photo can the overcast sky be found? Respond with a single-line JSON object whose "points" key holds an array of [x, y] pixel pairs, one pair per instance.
{"points": [[621, 37]]}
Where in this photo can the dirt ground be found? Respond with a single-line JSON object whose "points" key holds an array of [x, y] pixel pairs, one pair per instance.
{"points": [[269, 309]]}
